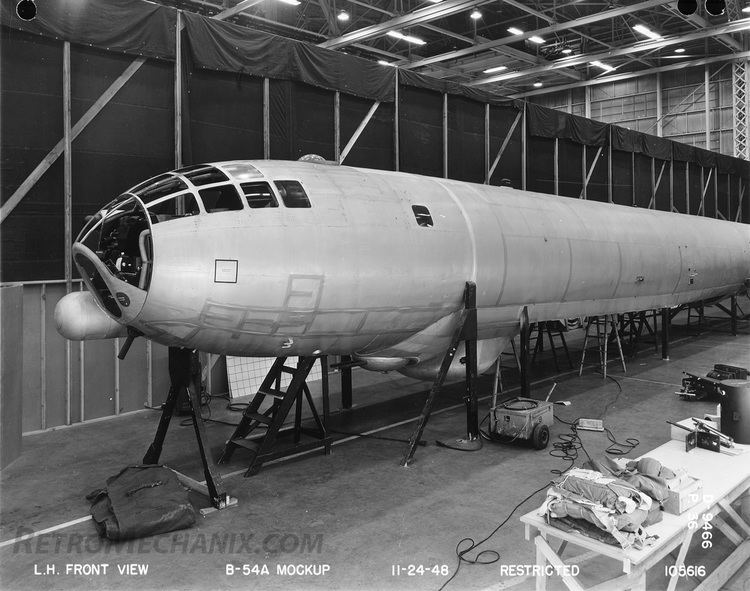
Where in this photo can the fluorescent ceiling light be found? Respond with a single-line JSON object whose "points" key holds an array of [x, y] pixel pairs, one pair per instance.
{"points": [[567, 51], [495, 69], [603, 66], [291, 2], [746, 9], [475, 14], [407, 38], [538, 84], [680, 50], [343, 16], [536, 39], [644, 30], [384, 63], [515, 31]]}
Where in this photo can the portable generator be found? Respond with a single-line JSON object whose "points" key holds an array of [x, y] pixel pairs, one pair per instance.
{"points": [[522, 419]]}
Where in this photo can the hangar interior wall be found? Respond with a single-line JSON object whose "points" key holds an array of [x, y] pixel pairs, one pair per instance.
{"points": [[633, 104], [425, 127]]}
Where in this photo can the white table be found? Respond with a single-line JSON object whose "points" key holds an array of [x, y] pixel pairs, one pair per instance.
{"points": [[725, 479]]}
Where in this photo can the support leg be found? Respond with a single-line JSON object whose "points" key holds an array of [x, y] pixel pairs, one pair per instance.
{"points": [[665, 334], [525, 381], [346, 383]]}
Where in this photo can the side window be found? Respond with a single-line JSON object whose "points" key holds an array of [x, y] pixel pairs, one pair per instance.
{"points": [[292, 194], [423, 215], [221, 198], [171, 208], [258, 195]]}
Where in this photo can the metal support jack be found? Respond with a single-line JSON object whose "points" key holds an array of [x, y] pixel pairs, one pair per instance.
{"points": [[182, 380], [273, 417], [606, 330], [466, 330]]}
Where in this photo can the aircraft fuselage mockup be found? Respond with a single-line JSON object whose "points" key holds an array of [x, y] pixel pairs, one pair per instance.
{"points": [[276, 258]]}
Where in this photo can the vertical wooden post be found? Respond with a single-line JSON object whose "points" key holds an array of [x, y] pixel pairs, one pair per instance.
{"points": [[632, 177], [487, 143], [396, 152], [178, 92], [43, 355], [337, 127], [556, 166], [707, 111], [523, 148], [583, 170], [68, 207], [609, 165], [445, 135]]}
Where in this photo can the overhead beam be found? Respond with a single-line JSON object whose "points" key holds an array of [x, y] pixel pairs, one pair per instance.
{"points": [[638, 47], [579, 22], [411, 19], [241, 7], [616, 77]]}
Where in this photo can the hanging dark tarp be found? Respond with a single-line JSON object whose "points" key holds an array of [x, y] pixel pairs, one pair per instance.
{"points": [[127, 26], [551, 123], [628, 140], [409, 78], [228, 47]]}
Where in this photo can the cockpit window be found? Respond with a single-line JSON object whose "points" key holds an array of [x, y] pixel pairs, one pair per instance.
{"points": [[259, 195], [173, 207], [161, 187], [203, 175], [292, 194], [221, 198], [423, 215]]}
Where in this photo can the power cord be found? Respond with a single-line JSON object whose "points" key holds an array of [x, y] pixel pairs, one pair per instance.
{"points": [[494, 554]]}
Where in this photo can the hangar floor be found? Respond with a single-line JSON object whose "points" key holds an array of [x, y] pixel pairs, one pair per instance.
{"points": [[355, 510]]}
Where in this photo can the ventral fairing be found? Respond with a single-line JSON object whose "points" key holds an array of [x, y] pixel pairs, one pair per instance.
{"points": [[276, 258]]}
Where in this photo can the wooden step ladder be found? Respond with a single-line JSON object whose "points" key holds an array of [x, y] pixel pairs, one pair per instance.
{"points": [[553, 328], [606, 330], [272, 419]]}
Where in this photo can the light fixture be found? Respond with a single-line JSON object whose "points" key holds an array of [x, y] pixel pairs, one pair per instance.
{"points": [[291, 2], [746, 9], [385, 63], [495, 69], [343, 16], [475, 14], [680, 50], [644, 30], [407, 38], [538, 84], [601, 65], [536, 39], [567, 51], [515, 31]]}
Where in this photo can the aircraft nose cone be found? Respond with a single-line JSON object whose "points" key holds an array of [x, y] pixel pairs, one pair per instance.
{"points": [[79, 317]]}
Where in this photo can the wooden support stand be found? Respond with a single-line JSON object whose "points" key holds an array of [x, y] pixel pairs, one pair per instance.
{"points": [[182, 381], [466, 331]]}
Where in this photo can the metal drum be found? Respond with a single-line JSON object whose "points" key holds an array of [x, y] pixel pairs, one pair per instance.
{"points": [[735, 410]]}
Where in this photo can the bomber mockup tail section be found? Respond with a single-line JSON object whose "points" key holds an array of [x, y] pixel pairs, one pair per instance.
{"points": [[277, 258]]}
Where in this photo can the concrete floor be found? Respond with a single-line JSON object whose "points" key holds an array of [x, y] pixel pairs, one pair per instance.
{"points": [[357, 510]]}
